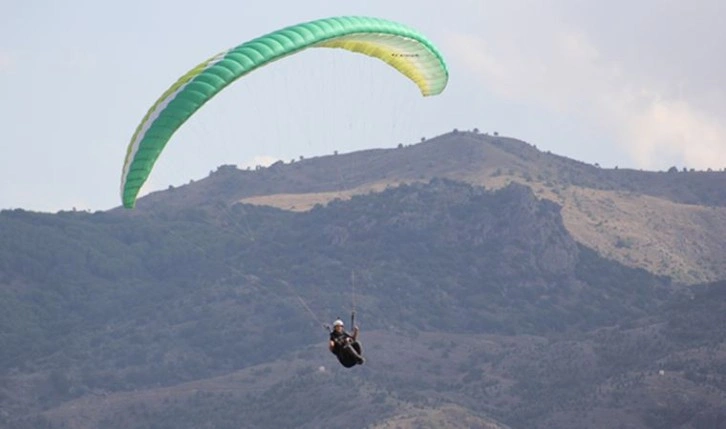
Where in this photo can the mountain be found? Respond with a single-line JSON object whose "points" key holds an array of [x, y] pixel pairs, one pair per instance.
{"points": [[479, 307], [671, 223]]}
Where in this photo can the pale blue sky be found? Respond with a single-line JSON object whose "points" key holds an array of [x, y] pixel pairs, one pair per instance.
{"points": [[631, 83]]}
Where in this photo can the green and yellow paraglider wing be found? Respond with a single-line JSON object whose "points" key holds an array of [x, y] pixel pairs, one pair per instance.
{"points": [[403, 48]]}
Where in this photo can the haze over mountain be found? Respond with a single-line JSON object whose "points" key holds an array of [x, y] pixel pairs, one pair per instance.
{"points": [[496, 286]]}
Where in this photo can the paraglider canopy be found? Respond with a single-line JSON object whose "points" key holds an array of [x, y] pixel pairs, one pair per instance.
{"points": [[403, 48]]}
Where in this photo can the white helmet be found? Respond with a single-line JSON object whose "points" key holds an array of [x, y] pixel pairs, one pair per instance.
{"points": [[338, 323]]}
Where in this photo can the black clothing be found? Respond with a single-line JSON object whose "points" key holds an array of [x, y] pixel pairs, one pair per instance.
{"points": [[346, 349], [339, 337]]}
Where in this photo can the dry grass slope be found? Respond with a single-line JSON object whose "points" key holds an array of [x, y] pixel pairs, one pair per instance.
{"points": [[642, 219], [444, 417]]}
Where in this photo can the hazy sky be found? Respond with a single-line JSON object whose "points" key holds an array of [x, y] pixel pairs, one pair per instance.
{"points": [[637, 83]]}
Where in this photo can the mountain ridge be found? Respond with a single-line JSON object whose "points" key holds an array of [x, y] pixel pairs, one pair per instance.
{"points": [[478, 306], [636, 217]]}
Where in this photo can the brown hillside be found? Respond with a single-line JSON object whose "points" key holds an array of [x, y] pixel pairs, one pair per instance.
{"points": [[670, 223]]}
